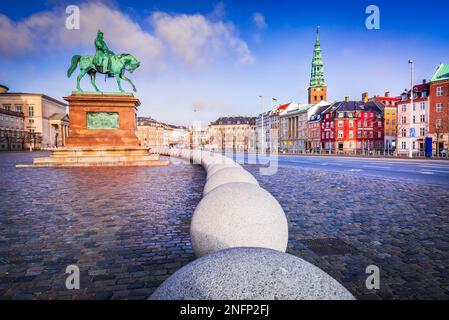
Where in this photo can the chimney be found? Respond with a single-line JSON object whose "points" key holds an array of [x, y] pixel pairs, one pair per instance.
{"points": [[347, 99], [3, 89], [365, 97], [387, 94], [424, 81]]}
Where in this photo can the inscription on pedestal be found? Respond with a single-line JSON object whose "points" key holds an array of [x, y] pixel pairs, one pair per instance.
{"points": [[102, 120]]}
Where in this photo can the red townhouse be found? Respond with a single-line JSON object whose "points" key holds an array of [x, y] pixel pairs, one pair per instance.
{"points": [[353, 127]]}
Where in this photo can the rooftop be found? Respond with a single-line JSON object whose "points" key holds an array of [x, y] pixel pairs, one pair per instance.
{"points": [[234, 120], [442, 73], [43, 96]]}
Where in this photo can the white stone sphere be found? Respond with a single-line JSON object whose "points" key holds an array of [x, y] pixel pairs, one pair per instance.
{"points": [[228, 175], [250, 274], [211, 169], [238, 215]]}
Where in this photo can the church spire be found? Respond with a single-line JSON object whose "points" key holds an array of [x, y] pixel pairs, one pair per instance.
{"points": [[317, 88], [317, 74]]}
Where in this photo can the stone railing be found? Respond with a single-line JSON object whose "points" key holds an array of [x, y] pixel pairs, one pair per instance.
{"points": [[239, 232]]}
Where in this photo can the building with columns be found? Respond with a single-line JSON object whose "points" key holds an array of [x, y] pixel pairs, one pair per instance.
{"points": [[45, 122], [317, 88]]}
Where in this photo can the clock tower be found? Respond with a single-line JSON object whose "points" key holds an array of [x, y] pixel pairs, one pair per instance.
{"points": [[317, 88]]}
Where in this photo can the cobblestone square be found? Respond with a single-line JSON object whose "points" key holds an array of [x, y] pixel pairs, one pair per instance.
{"points": [[399, 225], [128, 228]]}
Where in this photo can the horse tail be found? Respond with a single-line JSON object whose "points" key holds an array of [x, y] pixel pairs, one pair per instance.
{"points": [[75, 60]]}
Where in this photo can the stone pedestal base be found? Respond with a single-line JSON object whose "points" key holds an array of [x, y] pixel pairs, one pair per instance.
{"points": [[98, 157]]}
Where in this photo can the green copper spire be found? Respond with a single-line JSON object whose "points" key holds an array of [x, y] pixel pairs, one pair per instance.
{"points": [[317, 76]]}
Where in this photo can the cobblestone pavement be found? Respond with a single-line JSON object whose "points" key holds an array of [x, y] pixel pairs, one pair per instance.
{"points": [[127, 229], [342, 223]]}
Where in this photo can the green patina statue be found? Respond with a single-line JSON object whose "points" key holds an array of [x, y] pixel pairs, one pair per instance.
{"points": [[106, 62]]}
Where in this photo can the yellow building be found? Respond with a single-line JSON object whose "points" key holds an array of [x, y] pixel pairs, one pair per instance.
{"points": [[233, 134], [390, 108], [150, 132], [46, 124]]}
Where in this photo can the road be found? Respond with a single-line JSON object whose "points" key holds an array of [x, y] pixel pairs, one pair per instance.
{"points": [[429, 171]]}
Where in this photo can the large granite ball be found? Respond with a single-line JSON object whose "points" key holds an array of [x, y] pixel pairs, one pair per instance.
{"points": [[228, 175], [250, 274], [238, 215], [214, 167]]}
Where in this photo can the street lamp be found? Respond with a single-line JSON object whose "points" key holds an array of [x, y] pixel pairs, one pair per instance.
{"points": [[412, 129], [262, 133]]}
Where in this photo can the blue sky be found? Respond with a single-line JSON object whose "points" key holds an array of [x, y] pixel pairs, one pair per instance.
{"points": [[205, 59]]}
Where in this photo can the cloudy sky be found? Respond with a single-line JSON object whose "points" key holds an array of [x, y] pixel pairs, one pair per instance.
{"points": [[204, 59]]}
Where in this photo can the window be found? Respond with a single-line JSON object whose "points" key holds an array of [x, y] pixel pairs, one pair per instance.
{"points": [[404, 133], [440, 91], [393, 122], [404, 108], [31, 121], [414, 119], [359, 123], [31, 111], [327, 135], [351, 134], [379, 134], [371, 134], [404, 145], [439, 107], [7, 107], [393, 112], [387, 122], [340, 124], [422, 106], [340, 133], [351, 123], [414, 107], [422, 118], [18, 108], [404, 120], [340, 114], [422, 132], [438, 124]]}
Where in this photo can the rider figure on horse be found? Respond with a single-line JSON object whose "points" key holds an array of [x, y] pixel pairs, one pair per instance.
{"points": [[102, 54]]}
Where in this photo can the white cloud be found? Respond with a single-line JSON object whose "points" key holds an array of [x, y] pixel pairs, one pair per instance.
{"points": [[46, 31], [194, 39], [259, 21], [197, 40]]}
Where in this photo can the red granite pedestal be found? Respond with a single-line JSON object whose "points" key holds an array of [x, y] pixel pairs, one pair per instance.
{"points": [[91, 144]]}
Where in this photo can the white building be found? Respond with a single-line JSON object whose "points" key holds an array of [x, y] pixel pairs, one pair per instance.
{"points": [[419, 121]]}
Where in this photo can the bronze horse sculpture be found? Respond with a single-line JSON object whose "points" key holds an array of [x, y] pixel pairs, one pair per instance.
{"points": [[119, 63], [106, 62]]}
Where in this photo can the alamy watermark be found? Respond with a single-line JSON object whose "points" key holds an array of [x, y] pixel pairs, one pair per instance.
{"points": [[72, 22], [72, 282], [372, 22], [373, 280]]}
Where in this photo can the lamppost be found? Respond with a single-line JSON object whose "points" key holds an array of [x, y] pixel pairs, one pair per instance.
{"points": [[262, 134], [412, 129]]}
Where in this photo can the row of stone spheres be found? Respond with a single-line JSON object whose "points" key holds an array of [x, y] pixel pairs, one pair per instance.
{"points": [[239, 234]]}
